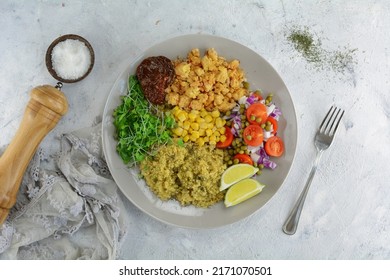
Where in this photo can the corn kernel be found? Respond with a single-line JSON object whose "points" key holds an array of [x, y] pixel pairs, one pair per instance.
{"points": [[200, 141], [196, 112], [213, 138], [212, 142], [178, 131], [222, 138], [209, 132], [203, 113], [175, 110], [203, 125], [200, 119], [182, 116], [192, 116], [184, 133], [208, 118], [195, 134], [219, 123], [186, 125], [202, 132], [222, 130], [186, 138], [179, 124], [215, 114], [195, 126]]}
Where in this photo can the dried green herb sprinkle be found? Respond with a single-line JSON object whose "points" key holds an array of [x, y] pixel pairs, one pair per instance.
{"points": [[309, 46]]}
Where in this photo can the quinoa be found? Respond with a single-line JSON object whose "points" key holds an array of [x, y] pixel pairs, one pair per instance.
{"points": [[190, 174]]}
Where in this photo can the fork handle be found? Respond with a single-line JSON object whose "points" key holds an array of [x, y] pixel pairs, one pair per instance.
{"points": [[291, 224]]}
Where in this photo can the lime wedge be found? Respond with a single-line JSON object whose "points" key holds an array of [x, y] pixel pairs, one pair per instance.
{"points": [[242, 191], [236, 173]]}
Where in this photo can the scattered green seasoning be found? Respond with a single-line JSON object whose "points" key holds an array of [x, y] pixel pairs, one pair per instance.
{"points": [[310, 47], [138, 130], [305, 44]]}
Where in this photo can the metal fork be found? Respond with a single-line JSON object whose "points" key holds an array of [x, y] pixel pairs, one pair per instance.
{"points": [[322, 141]]}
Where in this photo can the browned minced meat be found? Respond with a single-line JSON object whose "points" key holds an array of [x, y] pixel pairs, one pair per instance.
{"points": [[155, 74]]}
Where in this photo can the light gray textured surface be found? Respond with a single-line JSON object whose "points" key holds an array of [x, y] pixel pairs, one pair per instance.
{"points": [[347, 212]]}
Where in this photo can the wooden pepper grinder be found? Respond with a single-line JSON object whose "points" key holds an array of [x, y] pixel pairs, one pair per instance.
{"points": [[45, 108]]}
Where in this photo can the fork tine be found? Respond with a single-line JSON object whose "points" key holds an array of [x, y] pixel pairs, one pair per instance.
{"points": [[330, 123], [326, 117], [337, 123], [334, 120]]}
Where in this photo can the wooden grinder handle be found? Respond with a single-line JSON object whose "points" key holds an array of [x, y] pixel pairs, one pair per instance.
{"points": [[45, 108]]}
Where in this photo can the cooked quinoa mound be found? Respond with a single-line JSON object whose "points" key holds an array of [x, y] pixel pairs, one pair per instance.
{"points": [[189, 174]]}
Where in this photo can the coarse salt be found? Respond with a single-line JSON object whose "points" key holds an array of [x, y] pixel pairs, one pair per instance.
{"points": [[71, 59]]}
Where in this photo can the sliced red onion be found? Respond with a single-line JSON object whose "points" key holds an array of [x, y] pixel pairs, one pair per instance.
{"points": [[263, 158], [236, 125], [269, 164], [276, 113], [251, 99], [267, 134], [270, 109], [243, 100], [254, 149], [255, 157]]}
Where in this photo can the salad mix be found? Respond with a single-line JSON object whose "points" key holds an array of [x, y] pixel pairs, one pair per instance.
{"points": [[246, 133], [252, 128]]}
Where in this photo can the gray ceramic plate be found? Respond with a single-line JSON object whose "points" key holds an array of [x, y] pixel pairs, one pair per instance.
{"points": [[261, 75]]}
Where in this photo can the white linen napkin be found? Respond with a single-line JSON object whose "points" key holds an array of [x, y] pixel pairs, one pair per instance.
{"points": [[71, 212]]}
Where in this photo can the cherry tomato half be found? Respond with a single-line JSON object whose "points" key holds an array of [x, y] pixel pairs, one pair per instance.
{"points": [[229, 139], [244, 158], [257, 95], [273, 122], [256, 113], [253, 135], [274, 146]]}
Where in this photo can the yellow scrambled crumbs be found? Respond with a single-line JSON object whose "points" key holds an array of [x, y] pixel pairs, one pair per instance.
{"points": [[189, 174], [210, 82]]}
